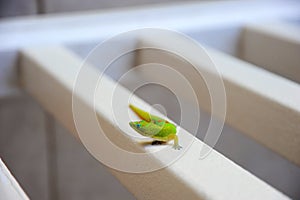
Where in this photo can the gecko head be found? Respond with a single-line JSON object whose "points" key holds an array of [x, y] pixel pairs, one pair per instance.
{"points": [[138, 126]]}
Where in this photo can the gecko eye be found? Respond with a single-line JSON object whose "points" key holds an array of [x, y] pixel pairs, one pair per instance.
{"points": [[138, 126]]}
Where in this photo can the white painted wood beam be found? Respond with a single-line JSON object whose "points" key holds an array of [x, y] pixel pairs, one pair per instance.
{"points": [[48, 74], [186, 17], [274, 46], [9, 187], [260, 104]]}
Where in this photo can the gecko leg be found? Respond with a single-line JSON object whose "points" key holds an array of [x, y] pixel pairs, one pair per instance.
{"points": [[176, 143]]}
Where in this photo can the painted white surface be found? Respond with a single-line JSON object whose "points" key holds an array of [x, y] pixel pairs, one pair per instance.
{"points": [[9, 187], [260, 104], [240, 148], [23, 144], [273, 46], [82, 28], [95, 25], [215, 177]]}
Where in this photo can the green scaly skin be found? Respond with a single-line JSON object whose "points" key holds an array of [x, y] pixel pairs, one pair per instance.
{"points": [[154, 127]]}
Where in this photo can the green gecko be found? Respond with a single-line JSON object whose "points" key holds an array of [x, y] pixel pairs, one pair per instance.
{"points": [[154, 127]]}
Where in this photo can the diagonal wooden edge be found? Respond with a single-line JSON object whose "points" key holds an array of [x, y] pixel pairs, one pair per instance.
{"points": [[48, 74], [260, 104]]}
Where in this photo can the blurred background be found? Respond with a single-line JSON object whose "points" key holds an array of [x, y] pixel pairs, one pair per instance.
{"points": [[50, 164], [32, 7]]}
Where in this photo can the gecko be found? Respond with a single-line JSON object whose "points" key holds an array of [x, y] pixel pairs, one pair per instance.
{"points": [[154, 127]]}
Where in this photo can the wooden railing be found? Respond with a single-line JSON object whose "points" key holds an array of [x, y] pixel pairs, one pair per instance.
{"points": [[263, 104], [48, 74]]}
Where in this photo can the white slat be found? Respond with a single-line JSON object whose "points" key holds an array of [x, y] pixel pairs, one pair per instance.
{"points": [[273, 46], [48, 74], [98, 25], [9, 187], [80, 29], [260, 104]]}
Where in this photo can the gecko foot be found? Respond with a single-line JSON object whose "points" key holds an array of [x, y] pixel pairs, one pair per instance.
{"points": [[177, 147]]}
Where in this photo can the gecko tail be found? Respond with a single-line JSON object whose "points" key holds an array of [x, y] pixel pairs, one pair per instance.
{"points": [[141, 113]]}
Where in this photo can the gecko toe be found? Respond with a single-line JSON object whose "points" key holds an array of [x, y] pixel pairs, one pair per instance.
{"points": [[177, 147]]}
